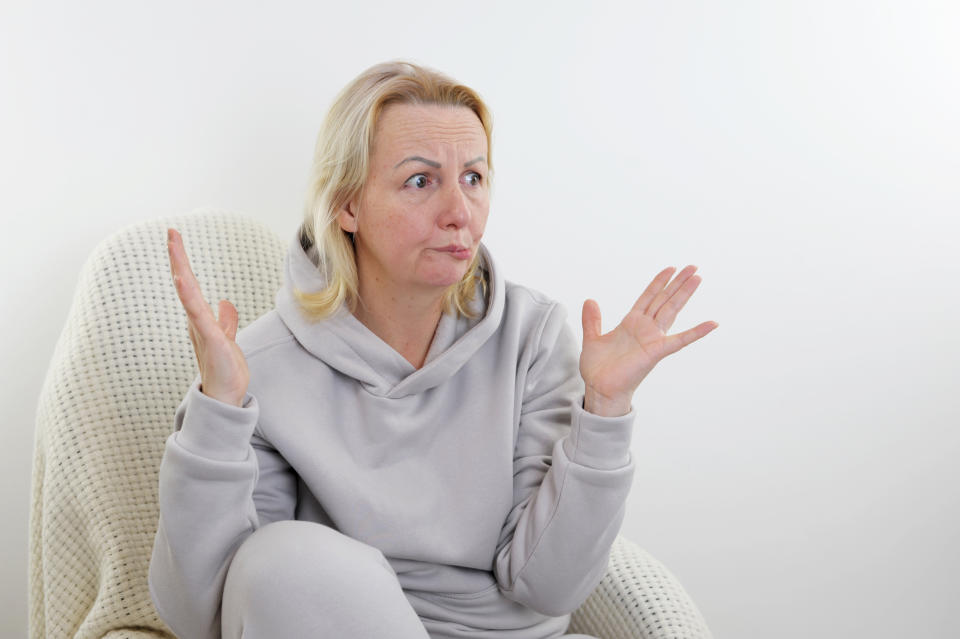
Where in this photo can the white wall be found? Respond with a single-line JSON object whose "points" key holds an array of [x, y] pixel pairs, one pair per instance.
{"points": [[796, 468]]}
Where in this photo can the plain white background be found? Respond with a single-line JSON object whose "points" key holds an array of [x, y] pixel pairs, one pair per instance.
{"points": [[797, 468]]}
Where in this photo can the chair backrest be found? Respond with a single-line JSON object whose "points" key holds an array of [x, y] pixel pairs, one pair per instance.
{"points": [[120, 369]]}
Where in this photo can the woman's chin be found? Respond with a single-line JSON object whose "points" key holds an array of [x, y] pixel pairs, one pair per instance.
{"points": [[444, 279]]}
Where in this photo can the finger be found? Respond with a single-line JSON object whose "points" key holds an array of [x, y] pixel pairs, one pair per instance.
{"points": [[671, 307], [674, 343], [196, 344], [188, 289], [170, 232], [228, 319], [591, 320], [652, 289], [669, 291]]}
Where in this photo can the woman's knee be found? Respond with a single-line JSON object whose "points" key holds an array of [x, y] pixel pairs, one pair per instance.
{"points": [[304, 556], [301, 579]]}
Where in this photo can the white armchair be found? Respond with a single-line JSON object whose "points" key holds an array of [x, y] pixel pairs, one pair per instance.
{"points": [[120, 369]]}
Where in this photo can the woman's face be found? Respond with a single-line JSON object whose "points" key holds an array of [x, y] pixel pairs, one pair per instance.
{"points": [[426, 190]]}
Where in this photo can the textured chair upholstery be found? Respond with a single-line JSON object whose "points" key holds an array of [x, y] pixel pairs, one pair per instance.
{"points": [[638, 598], [119, 370]]}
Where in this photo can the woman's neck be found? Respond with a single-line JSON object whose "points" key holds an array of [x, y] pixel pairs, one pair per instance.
{"points": [[406, 323]]}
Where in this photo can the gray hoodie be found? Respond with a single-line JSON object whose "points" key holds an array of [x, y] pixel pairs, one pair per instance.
{"points": [[491, 491]]}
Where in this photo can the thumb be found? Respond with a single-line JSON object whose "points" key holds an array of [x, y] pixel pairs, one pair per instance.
{"points": [[227, 319], [591, 320]]}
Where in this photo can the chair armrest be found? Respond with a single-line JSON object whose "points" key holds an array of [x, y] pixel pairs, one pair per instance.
{"points": [[137, 634], [638, 598]]}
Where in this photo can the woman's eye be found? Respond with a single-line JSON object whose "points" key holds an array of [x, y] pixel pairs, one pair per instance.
{"points": [[474, 178], [417, 181]]}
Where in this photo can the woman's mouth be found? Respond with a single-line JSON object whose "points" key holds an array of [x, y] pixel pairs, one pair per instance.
{"points": [[459, 252]]}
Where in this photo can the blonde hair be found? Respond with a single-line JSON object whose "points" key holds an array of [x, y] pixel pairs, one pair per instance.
{"points": [[340, 167]]}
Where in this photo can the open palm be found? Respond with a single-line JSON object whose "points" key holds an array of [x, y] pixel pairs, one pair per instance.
{"points": [[613, 364], [223, 369]]}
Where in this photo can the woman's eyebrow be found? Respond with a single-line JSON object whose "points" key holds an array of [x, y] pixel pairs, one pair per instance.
{"points": [[417, 158], [436, 165]]}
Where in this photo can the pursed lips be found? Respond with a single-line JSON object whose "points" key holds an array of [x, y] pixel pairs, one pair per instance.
{"points": [[461, 252]]}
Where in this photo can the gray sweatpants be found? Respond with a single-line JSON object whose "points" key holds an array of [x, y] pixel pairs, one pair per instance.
{"points": [[295, 579]]}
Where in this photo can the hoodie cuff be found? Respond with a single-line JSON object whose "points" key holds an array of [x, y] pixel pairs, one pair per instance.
{"points": [[599, 442], [215, 429]]}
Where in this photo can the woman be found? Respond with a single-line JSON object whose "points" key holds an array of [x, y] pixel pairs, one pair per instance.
{"points": [[406, 446]]}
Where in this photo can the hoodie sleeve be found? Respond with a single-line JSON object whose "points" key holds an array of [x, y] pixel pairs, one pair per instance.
{"points": [[219, 481], [572, 472]]}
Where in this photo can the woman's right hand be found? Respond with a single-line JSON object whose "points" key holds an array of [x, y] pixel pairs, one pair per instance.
{"points": [[223, 369]]}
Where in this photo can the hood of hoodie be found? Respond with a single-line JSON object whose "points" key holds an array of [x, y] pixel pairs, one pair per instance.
{"points": [[347, 345]]}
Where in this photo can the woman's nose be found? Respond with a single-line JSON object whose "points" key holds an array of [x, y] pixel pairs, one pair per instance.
{"points": [[456, 206]]}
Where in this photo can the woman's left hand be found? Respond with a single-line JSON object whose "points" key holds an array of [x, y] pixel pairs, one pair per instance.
{"points": [[614, 364]]}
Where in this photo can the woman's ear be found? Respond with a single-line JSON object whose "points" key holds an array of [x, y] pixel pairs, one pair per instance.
{"points": [[347, 217]]}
